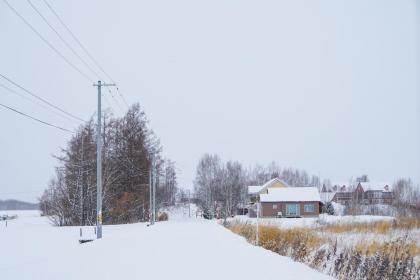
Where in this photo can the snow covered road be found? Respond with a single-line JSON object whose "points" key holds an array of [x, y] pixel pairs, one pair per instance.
{"points": [[181, 249]]}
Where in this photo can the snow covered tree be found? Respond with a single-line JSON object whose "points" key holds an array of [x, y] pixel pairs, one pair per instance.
{"points": [[207, 183]]}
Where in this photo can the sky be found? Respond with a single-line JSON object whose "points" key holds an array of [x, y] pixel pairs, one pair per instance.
{"points": [[331, 87]]}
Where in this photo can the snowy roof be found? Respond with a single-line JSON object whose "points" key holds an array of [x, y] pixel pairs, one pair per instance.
{"points": [[376, 186], [327, 196], [291, 194], [268, 183], [254, 189], [258, 189], [367, 186]]}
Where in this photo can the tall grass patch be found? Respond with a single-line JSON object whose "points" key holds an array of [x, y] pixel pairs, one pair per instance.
{"points": [[367, 260], [380, 227]]}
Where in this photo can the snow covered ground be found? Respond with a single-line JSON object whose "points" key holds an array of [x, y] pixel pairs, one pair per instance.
{"points": [[182, 248], [312, 222]]}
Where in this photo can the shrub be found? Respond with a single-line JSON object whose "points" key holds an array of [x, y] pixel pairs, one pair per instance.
{"points": [[328, 208], [163, 216]]}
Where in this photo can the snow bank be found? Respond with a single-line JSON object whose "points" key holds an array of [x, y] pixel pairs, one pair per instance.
{"points": [[197, 249]]}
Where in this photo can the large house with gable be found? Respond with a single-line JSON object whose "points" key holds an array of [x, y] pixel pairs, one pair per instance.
{"points": [[366, 193], [255, 191], [278, 199]]}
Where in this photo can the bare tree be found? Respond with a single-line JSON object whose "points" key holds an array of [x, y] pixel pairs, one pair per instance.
{"points": [[128, 146]]}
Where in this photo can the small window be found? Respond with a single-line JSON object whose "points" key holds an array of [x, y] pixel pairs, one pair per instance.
{"points": [[274, 206], [309, 208]]}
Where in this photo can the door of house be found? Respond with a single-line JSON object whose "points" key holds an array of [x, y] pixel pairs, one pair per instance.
{"points": [[293, 209]]}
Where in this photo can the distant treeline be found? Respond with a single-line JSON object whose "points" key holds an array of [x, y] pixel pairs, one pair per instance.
{"points": [[128, 149], [12, 204], [220, 188]]}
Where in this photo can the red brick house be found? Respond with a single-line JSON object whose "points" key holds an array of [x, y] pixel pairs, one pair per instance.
{"points": [[290, 202], [365, 193]]}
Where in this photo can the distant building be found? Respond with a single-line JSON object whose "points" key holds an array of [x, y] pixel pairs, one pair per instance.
{"points": [[278, 199], [365, 193], [376, 193], [255, 191]]}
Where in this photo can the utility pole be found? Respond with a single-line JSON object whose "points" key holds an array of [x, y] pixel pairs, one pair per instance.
{"points": [[154, 192], [81, 187], [150, 193], [257, 235], [151, 219], [189, 204], [99, 163]]}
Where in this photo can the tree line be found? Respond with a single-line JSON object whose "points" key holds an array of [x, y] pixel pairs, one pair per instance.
{"points": [[129, 147], [220, 189]]}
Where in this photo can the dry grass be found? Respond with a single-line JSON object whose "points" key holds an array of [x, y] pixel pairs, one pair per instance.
{"points": [[163, 216], [407, 223], [388, 248], [365, 260], [381, 227], [296, 241], [376, 227]]}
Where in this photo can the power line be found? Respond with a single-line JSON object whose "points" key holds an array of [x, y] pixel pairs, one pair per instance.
{"points": [[72, 50], [115, 100], [48, 43], [35, 119], [84, 49], [77, 40], [122, 97], [33, 101], [41, 99], [108, 102], [62, 39]]}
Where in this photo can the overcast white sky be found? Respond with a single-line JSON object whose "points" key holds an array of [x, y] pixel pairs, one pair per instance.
{"points": [[327, 86]]}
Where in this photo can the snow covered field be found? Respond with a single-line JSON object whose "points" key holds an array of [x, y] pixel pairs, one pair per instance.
{"points": [[182, 248], [312, 222], [350, 238], [344, 238]]}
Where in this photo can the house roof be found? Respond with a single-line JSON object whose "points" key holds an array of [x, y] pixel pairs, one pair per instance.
{"points": [[258, 189], [254, 189], [327, 196], [376, 186], [367, 186], [291, 194]]}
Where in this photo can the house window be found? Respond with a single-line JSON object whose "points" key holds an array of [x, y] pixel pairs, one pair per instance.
{"points": [[274, 206], [309, 208], [292, 209], [377, 195]]}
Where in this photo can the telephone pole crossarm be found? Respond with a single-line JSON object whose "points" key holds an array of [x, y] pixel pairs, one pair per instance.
{"points": [[100, 84]]}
